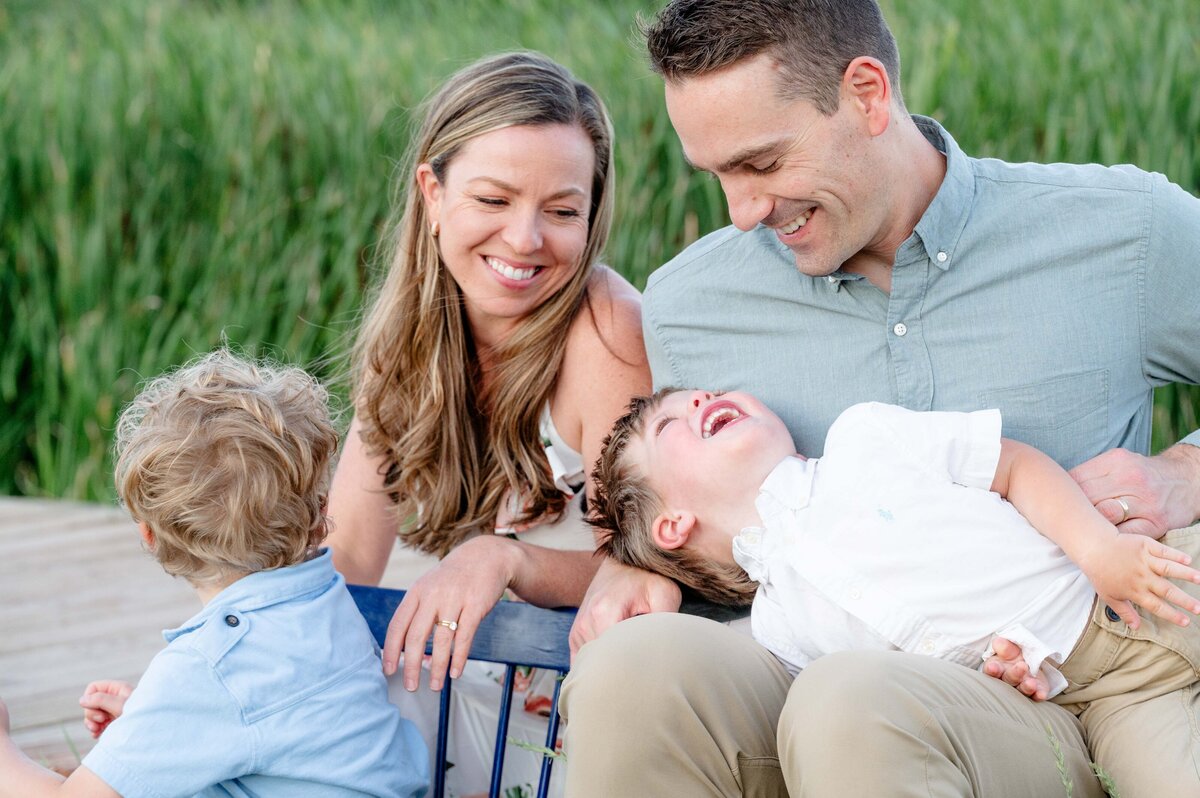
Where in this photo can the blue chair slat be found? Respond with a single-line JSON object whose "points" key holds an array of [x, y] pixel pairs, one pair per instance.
{"points": [[513, 633]]}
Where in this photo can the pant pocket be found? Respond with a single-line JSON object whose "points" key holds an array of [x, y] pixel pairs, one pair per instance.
{"points": [[761, 777]]}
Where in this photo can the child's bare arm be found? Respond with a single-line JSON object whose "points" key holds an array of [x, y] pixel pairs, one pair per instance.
{"points": [[21, 777], [1122, 568]]}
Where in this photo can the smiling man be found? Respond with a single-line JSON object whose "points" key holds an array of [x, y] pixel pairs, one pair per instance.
{"points": [[871, 259]]}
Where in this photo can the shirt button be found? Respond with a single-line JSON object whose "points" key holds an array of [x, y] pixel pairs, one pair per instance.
{"points": [[942, 257], [855, 594], [901, 329], [1111, 614], [926, 646], [831, 279], [231, 620]]}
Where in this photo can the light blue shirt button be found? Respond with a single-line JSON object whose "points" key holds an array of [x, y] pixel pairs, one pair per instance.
{"points": [[900, 329]]}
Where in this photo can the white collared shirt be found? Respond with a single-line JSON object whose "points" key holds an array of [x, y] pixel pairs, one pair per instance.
{"points": [[893, 540]]}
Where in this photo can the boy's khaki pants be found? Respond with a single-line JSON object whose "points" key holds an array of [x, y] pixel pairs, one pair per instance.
{"points": [[673, 705]]}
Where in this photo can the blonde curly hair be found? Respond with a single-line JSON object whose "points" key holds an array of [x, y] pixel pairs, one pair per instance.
{"points": [[227, 461]]}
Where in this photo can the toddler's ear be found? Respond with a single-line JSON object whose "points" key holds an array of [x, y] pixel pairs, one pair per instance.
{"points": [[672, 528], [147, 535]]}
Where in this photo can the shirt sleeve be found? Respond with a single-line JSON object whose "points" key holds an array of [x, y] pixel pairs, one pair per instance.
{"points": [[662, 370], [960, 447], [180, 733], [1171, 307]]}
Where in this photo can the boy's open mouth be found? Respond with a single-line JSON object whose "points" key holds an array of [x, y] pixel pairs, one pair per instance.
{"points": [[717, 416]]}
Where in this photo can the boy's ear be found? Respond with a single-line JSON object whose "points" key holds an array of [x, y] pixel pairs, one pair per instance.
{"points": [[147, 534], [672, 528]]}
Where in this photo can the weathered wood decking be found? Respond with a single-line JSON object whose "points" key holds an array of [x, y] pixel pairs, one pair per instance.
{"points": [[80, 600]]}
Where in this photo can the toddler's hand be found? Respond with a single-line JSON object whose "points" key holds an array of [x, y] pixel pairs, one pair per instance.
{"points": [[102, 703], [1134, 569], [1007, 665]]}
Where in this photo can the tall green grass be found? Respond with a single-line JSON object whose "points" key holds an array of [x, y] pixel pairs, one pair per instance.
{"points": [[173, 172]]}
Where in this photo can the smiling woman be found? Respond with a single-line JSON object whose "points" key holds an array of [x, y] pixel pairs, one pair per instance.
{"points": [[491, 363]]}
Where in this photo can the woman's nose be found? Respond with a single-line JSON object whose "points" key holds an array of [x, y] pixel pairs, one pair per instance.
{"points": [[524, 234]]}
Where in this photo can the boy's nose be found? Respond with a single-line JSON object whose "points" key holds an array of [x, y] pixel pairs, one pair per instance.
{"points": [[699, 397]]}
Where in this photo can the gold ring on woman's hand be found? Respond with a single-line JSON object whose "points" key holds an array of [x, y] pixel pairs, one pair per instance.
{"points": [[451, 625]]}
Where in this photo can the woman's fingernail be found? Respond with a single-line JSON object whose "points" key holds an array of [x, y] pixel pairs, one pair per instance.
{"points": [[410, 685]]}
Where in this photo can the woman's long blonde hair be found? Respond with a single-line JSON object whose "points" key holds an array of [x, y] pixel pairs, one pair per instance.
{"points": [[451, 450]]}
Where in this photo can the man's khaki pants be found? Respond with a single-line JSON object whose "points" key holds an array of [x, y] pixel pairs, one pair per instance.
{"points": [[673, 705]]}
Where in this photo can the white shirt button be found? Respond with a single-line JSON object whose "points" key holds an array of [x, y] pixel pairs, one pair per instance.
{"points": [[831, 279], [926, 646], [855, 593], [901, 329], [942, 257]]}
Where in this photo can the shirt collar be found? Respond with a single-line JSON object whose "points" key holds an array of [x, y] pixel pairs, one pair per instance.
{"points": [[941, 226], [785, 490], [264, 588]]}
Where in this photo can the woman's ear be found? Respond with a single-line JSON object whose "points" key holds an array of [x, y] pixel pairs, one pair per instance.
{"points": [[671, 529], [431, 191]]}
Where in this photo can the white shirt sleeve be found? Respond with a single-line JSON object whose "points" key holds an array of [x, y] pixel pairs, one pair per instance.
{"points": [[961, 447], [1036, 655]]}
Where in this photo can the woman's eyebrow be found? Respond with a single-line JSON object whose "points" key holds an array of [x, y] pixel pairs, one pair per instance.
{"points": [[573, 191]]}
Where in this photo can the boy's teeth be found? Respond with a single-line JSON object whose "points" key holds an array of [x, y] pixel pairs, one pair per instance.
{"points": [[512, 273], [797, 223], [724, 415]]}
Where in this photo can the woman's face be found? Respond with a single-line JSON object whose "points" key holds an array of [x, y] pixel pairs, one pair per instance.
{"points": [[513, 218]]}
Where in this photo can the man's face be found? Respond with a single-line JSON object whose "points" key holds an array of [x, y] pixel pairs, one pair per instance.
{"points": [[701, 449], [782, 163]]}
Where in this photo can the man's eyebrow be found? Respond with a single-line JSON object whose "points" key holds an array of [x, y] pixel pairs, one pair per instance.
{"points": [[573, 191], [748, 154]]}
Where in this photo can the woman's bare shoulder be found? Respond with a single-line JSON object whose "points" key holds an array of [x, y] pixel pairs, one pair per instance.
{"points": [[609, 322]]}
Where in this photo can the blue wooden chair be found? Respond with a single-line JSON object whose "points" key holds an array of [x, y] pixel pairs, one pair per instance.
{"points": [[512, 634]]}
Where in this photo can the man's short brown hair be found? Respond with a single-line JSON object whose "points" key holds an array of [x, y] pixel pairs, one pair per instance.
{"points": [[812, 40], [227, 462], [624, 508]]}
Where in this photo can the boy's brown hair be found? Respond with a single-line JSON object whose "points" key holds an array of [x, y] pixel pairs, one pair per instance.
{"points": [[227, 461], [624, 508]]}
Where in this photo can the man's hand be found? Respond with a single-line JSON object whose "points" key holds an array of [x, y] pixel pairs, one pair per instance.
{"points": [[1161, 492], [1008, 665], [103, 702], [618, 592]]}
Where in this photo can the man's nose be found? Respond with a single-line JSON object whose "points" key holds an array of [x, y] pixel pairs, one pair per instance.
{"points": [[747, 207]]}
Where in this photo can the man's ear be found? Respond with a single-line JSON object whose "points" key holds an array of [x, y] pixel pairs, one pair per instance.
{"points": [[865, 83], [431, 190], [671, 529], [147, 534]]}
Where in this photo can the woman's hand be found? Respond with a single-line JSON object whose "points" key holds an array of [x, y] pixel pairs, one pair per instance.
{"points": [[449, 603], [618, 592]]}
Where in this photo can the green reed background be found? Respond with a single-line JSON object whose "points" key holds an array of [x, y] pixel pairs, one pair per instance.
{"points": [[174, 172]]}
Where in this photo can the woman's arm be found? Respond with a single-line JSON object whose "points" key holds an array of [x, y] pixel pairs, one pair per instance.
{"points": [[605, 366], [362, 517]]}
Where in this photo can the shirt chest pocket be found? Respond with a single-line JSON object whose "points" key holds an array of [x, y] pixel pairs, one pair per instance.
{"points": [[1066, 417]]}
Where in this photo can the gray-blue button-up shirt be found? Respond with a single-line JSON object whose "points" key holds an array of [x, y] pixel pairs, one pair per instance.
{"points": [[1061, 294]]}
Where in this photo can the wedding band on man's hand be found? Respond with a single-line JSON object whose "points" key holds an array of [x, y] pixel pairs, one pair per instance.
{"points": [[451, 625], [1124, 509]]}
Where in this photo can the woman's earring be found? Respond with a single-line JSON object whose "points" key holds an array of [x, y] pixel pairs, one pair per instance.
{"points": [[434, 228]]}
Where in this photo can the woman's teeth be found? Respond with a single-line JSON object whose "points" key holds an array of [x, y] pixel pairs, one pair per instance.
{"points": [[797, 223], [511, 272]]}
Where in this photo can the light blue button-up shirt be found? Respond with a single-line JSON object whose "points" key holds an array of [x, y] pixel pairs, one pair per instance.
{"points": [[1060, 294], [274, 689]]}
